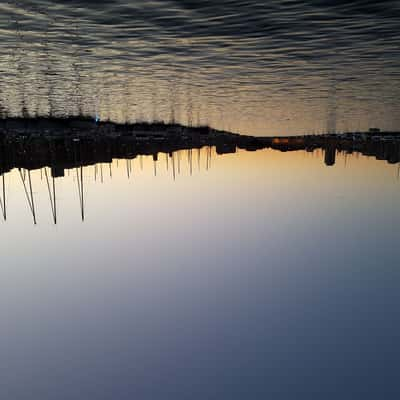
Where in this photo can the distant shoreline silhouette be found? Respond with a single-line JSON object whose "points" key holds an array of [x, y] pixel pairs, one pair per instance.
{"points": [[63, 143], [55, 146]]}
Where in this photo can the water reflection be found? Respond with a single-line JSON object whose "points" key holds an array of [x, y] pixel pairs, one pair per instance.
{"points": [[257, 67]]}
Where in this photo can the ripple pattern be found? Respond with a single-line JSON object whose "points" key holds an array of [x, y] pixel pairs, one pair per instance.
{"points": [[277, 67]]}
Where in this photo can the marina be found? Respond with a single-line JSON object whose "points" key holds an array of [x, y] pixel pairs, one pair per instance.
{"points": [[199, 200]]}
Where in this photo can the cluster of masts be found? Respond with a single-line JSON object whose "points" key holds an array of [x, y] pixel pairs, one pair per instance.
{"points": [[173, 163]]}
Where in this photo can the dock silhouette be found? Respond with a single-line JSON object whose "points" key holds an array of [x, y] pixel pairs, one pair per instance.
{"points": [[59, 146]]}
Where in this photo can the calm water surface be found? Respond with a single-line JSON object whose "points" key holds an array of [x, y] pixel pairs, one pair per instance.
{"points": [[260, 275], [257, 67]]}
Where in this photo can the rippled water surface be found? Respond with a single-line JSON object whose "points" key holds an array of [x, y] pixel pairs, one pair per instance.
{"points": [[276, 67]]}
